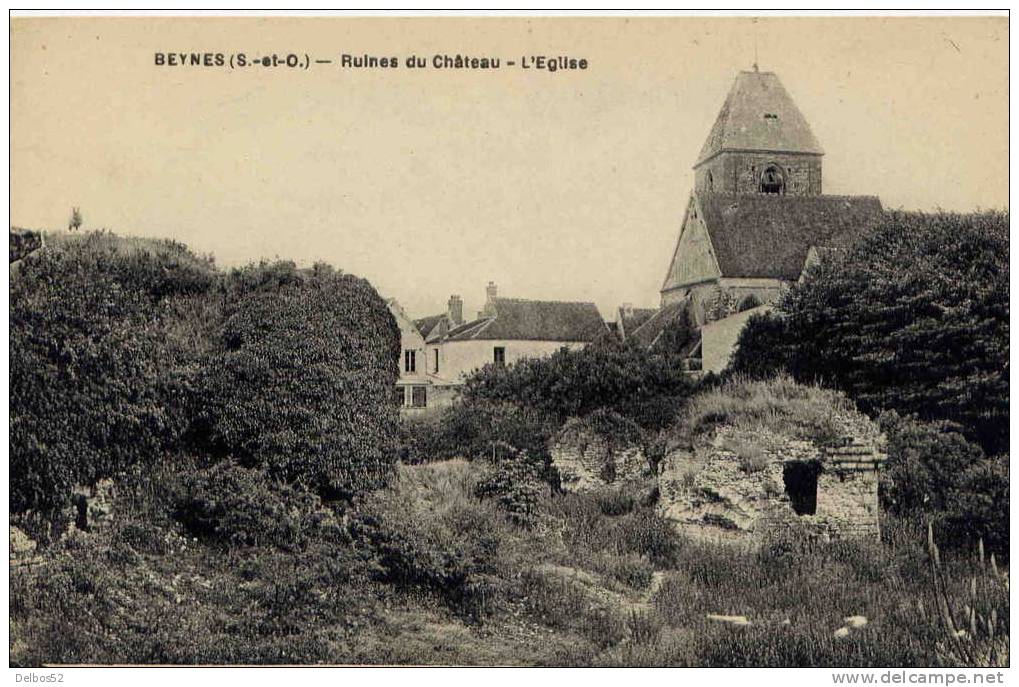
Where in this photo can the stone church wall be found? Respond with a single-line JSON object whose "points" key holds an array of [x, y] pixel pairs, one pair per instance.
{"points": [[740, 172]]}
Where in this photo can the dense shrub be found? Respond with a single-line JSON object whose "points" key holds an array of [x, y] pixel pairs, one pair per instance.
{"points": [[749, 302], [445, 544], [95, 384], [608, 425], [761, 349], [937, 472], [197, 605], [470, 428], [422, 438], [22, 242], [572, 383], [300, 382], [914, 319], [515, 479], [677, 337], [242, 507]]}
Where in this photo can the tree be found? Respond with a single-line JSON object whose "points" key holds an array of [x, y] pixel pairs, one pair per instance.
{"points": [[762, 347], [571, 383], [95, 384], [300, 380], [914, 318], [76, 219]]}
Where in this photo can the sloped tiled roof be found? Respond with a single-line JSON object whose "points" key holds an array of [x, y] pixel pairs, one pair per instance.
{"points": [[632, 318], [534, 320], [768, 235], [758, 114], [648, 333], [425, 325]]}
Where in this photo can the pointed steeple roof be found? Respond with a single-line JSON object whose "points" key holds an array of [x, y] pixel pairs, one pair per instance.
{"points": [[758, 114]]}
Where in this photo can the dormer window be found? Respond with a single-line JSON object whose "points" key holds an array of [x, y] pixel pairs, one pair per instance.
{"points": [[772, 180]]}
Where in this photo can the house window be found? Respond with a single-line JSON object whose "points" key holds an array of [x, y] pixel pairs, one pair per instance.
{"points": [[436, 370], [711, 185], [500, 355], [409, 361], [772, 180], [399, 396], [419, 397]]}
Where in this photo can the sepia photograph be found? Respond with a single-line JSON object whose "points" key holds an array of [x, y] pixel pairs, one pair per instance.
{"points": [[509, 340]]}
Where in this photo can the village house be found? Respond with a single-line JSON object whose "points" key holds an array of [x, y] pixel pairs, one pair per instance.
{"points": [[441, 351], [755, 220], [412, 386]]}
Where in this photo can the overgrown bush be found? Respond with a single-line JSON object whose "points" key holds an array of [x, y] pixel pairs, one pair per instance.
{"points": [[22, 242], [96, 385], [937, 472], [469, 429], [300, 382], [903, 323], [573, 383], [445, 541], [422, 439], [749, 302], [240, 507], [516, 480], [761, 348]]}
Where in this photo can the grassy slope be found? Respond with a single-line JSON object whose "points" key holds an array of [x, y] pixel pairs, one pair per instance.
{"points": [[581, 588]]}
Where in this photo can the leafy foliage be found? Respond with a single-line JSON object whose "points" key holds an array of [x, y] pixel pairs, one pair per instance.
{"points": [[95, 387], [442, 540], [572, 383], [243, 507], [761, 347], [470, 428], [937, 472], [748, 302], [515, 480], [914, 318], [22, 242], [300, 380]]}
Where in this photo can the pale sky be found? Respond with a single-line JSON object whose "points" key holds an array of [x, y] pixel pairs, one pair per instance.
{"points": [[560, 186]]}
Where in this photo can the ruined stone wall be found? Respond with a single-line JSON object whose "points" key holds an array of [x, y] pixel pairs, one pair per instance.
{"points": [[589, 462], [709, 491], [847, 496]]}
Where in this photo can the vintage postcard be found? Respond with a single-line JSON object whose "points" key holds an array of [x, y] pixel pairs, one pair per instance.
{"points": [[556, 341]]}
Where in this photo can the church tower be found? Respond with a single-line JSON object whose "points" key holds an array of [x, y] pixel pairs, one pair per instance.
{"points": [[760, 143]]}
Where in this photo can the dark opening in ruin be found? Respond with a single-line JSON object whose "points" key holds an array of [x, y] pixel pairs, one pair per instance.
{"points": [[800, 479]]}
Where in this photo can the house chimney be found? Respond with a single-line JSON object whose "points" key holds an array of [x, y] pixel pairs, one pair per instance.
{"points": [[490, 291], [455, 311], [627, 309]]}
